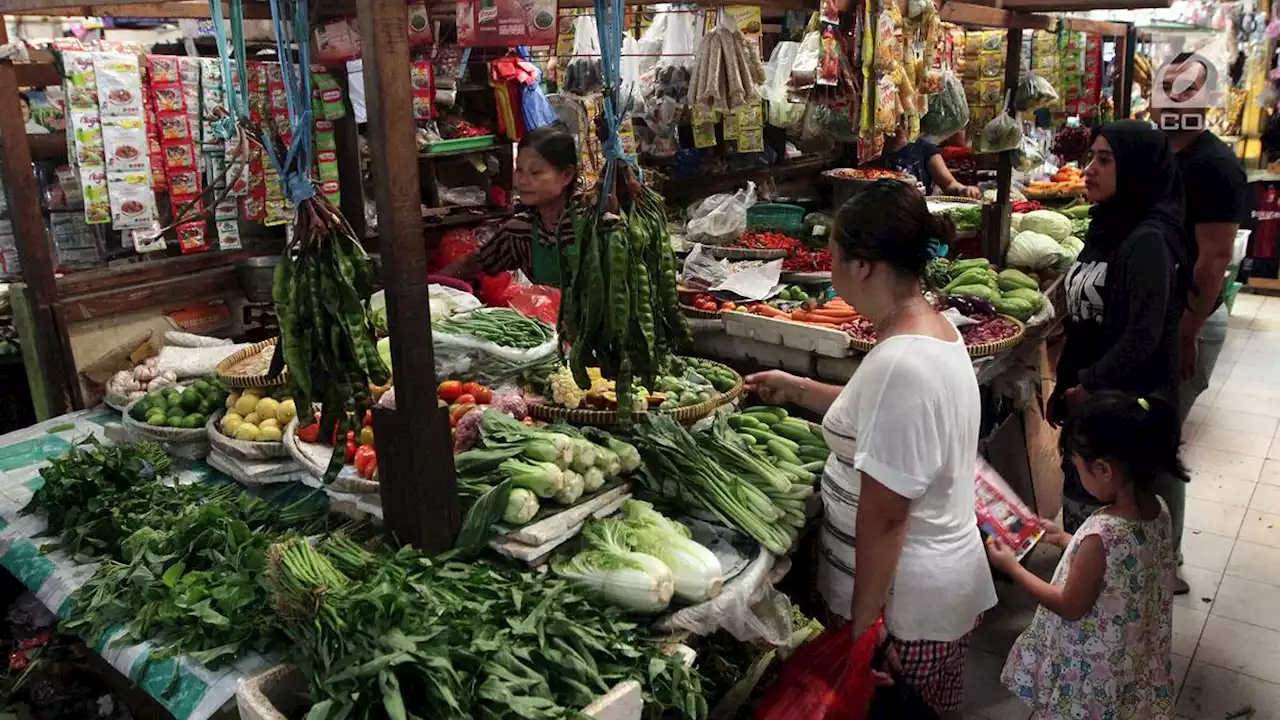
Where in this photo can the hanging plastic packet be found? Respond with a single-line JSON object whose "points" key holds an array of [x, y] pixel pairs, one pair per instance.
{"points": [[584, 74], [422, 78], [191, 237], [829, 57], [146, 240], [226, 223]]}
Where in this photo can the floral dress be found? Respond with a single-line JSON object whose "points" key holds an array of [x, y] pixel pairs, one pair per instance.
{"points": [[1113, 663]]}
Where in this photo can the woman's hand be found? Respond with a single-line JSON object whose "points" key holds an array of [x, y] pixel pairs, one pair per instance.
{"points": [[1001, 556], [776, 387], [970, 191]]}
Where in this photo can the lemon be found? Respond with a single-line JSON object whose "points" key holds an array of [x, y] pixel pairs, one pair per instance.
{"points": [[269, 433], [231, 424], [286, 412], [247, 431], [268, 422], [232, 399], [245, 404], [232, 416], [266, 408], [252, 418], [255, 392]]}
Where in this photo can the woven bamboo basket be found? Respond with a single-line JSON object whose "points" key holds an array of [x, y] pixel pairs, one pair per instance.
{"points": [[694, 312], [314, 458], [975, 351], [242, 449], [806, 278], [608, 418], [248, 381], [991, 348]]}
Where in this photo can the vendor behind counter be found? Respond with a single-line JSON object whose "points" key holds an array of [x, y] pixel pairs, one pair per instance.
{"points": [[922, 160]]}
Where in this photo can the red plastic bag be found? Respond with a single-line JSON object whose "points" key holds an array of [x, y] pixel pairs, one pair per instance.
{"points": [[455, 245], [541, 302], [495, 290], [830, 678]]}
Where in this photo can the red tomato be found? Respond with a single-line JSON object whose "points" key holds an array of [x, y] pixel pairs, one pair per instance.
{"points": [[465, 399], [482, 395], [310, 433], [472, 388], [366, 460], [368, 419], [449, 390]]}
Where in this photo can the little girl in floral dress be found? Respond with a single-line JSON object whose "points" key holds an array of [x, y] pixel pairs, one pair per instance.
{"points": [[1099, 645]]}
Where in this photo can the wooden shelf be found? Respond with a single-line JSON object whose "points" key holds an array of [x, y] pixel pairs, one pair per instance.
{"points": [[51, 146], [456, 219]]}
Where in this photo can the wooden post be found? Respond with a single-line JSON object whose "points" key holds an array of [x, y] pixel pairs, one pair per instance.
{"points": [[346, 134], [419, 493], [995, 233], [1126, 48], [47, 376]]}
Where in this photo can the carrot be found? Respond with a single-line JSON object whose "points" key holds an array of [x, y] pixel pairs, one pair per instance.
{"points": [[769, 311], [814, 323], [833, 315], [837, 302], [819, 318]]}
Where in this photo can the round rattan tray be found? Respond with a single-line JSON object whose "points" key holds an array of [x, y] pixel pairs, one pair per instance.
{"points": [[694, 312], [975, 351], [314, 458], [803, 278], [178, 436], [248, 381], [242, 449], [992, 348], [732, 253], [608, 418]]}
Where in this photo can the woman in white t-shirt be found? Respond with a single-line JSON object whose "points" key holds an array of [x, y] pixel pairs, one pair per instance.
{"points": [[904, 439]]}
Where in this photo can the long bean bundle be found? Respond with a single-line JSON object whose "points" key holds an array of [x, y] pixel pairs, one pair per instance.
{"points": [[321, 290], [619, 309]]}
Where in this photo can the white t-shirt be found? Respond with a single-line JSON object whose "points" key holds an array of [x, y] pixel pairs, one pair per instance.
{"points": [[909, 418]]}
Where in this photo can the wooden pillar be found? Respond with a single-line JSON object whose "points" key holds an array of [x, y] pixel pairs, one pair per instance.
{"points": [[996, 230], [51, 366], [1126, 49], [419, 493], [350, 168]]}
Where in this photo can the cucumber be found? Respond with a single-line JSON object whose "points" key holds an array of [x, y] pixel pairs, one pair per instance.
{"points": [[736, 421], [813, 453], [761, 412], [765, 436], [748, 439], [816, 466], [782, 452], [794, 433], [751, 422]]}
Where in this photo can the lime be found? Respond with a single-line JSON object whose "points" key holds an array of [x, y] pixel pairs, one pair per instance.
{"points": [[206, 407], [157, 420], [140, 410], [201, 386], [194, 420], [154, 399], [191, 399]]}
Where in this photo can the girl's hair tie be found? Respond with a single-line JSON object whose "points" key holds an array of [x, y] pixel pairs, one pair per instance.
{"points": [[1142, 403]]}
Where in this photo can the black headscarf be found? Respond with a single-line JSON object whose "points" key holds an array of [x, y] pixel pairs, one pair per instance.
{"points": [[1148, 194]]}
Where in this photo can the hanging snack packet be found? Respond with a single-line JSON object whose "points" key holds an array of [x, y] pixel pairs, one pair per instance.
{"points": [[191, 237], [97, 206], [133, 204], [146, 240], [225, 220]]}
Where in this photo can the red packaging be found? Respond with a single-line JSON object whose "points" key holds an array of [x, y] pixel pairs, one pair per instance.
{"points": [[422, 77], [419, 25], [191, 237], [254, 205], [506, 23], [336, 42]]}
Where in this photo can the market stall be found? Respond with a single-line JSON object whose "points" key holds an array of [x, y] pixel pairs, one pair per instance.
{"points": [[284, 510]]}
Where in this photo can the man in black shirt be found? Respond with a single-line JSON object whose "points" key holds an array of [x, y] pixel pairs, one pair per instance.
{"points": [[1215, 185], [1215, 200]]}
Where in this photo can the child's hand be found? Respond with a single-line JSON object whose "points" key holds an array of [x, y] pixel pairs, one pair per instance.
{"points": [[1054, 534], [1000, 555]]}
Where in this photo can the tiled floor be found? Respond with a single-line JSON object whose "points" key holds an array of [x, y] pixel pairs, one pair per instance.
{"points": [[1227, 630]]}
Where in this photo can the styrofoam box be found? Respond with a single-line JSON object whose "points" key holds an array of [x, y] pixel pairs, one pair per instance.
{"points": [[822, 341]]}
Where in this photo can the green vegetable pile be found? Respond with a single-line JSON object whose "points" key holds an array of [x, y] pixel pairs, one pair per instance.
{"points": [[501, 326], [758, 486], [321, 290], [385, 634], [187, 409], [619, 309], [181, 564], [967, 218], [1010, 291], [514, 468]]}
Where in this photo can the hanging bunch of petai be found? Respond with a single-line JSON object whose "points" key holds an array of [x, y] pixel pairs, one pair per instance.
{"points": [[619, 309], [324, 280]]}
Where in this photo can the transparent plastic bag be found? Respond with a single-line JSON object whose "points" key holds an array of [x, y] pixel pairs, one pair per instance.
{"points": [[948, 110], [584, 75], [804, 71], [1028, 156], [701, 271], [721, 218], [781, 111], [749, 608], [1034, 93], [463, 356]]}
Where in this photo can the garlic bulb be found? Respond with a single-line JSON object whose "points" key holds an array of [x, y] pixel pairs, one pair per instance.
{"points": [[158, 384], [144, 373], [170, 375]]}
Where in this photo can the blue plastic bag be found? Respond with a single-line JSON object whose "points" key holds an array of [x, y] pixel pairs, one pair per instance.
{"points": [[533, 104]]}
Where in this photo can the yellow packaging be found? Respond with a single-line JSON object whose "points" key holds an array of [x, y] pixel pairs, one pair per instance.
{"points": [[751, 140], [730, 126]]}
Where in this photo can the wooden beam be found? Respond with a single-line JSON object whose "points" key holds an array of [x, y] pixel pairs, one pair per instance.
{"points": [[350, 167], [187, 9], [964, 13], [1096, 27], [1126, 49], [37, 74], [417, 480], [996, 229], [1056, 6], [32, 239], [99, 280], [173, 290]]}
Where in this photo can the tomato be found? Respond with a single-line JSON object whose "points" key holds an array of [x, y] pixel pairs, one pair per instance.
{"points": [[368, 419], [449, 390], [465, 399], [366, 461], [729, 307], [483, 396], [310, 433], [472, 388], [457, 411]]}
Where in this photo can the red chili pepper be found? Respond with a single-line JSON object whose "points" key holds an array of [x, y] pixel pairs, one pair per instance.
{"points": [[18, 660], [366, 461]]}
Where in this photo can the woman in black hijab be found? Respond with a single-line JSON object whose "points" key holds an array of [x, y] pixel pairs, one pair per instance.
{"points": [[1125, 292]]}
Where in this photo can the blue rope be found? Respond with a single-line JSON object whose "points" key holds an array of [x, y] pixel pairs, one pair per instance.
{"points": [[225, 128], [296, 167], [610, 14]]}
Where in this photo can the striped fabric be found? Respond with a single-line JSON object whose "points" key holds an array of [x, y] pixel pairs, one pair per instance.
{"points": [[509, 248]]}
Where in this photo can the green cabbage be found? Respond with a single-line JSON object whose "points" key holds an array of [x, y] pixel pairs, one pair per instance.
{"points": [[634, 581], [695, 570], [1047, 222], [1034, 251]]}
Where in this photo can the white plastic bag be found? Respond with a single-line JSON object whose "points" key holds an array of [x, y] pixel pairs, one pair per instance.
{"points": [[721, 218], [448, 301], [777, 72], [804, 71], [584, 75], [193, 362], [190, 340], [749, 608]]}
